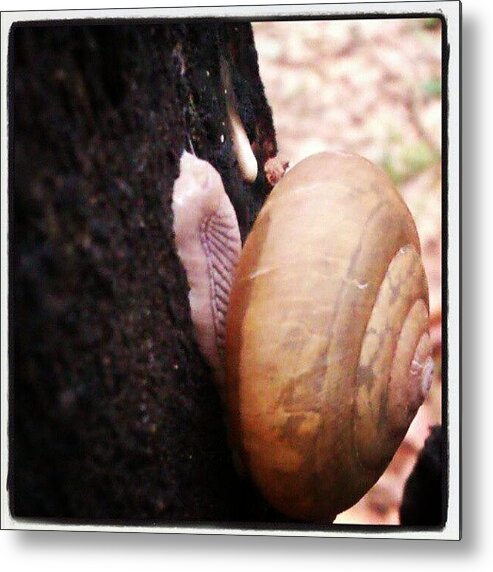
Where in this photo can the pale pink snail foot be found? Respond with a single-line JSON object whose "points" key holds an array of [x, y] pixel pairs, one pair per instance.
{"points": [[209, 245]]}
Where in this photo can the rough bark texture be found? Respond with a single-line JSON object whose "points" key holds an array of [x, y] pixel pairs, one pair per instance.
{"points": [[424, 502], [114, 414]]}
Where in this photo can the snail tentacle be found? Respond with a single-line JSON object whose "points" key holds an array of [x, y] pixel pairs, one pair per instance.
{"points": [[247, 162]]}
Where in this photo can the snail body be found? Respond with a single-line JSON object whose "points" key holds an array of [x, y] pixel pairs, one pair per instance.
{"points": [[208, 244], [327, 344]]}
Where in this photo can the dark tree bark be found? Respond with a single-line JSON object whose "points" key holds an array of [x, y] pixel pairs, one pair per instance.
{"points": [[114, 414], [424, 501]]}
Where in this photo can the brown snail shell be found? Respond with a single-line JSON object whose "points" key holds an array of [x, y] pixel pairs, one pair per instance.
{"points": [[327, 344]]}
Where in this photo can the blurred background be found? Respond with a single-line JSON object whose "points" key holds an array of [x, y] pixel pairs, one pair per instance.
{"points": [[371, 87]]}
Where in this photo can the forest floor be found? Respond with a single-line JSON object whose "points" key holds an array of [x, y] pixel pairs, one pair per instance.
{"points": [[371, 87]]}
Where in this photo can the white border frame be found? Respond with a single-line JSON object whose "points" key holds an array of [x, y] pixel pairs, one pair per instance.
{"points": [[451, 11]]}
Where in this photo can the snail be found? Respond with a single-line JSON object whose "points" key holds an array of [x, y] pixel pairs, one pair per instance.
{"points": [[319, 343], [328, 354]]}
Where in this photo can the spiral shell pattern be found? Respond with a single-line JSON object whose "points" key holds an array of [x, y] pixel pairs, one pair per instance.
{"points": [[327, 345]]}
